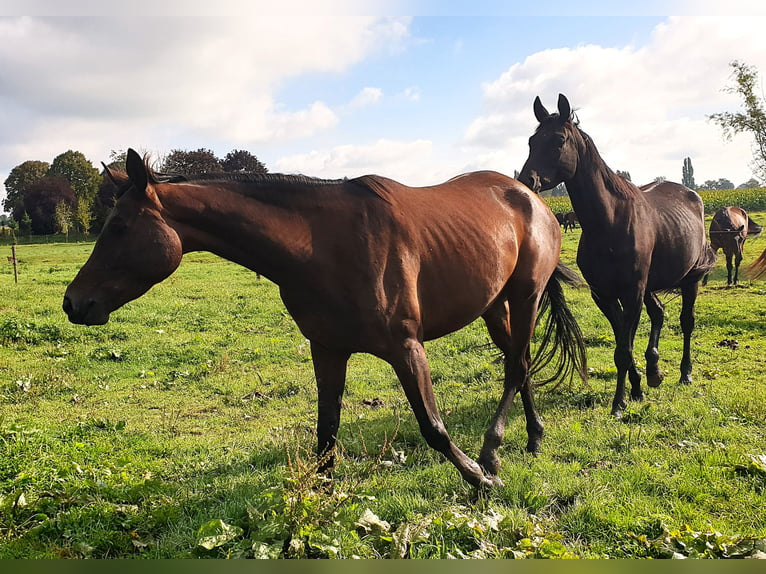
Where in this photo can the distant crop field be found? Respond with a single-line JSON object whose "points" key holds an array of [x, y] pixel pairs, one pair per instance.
{"points": [[184, 428], [748, 199]]}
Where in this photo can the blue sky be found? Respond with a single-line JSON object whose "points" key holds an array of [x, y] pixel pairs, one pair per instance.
{"points": [[417, 91]]}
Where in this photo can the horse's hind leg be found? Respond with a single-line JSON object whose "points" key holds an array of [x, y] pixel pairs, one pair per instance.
{"points": [[656, 311], [511, 333], [411, 366], [688, 298]]}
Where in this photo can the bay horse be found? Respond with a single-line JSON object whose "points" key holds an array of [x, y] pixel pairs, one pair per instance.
{"points": [[729, 228], [634, 243], [362, 265]]}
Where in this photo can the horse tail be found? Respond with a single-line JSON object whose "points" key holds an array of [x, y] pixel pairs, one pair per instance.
{"points": [[561, 333], [708, 261], [757, 267]]}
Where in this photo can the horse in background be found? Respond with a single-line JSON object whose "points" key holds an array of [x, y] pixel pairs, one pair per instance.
{"points": [[729, 229], [567, 220], [634, 242], [364, 265]]}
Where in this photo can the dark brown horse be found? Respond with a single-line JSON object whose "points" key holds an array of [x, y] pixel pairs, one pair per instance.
{"points": [[635, 241], [729, 229], [363, 265], [567, 220]]}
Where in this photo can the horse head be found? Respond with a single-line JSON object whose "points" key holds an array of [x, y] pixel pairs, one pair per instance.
{"points": [[135, 250], [552, 152]]}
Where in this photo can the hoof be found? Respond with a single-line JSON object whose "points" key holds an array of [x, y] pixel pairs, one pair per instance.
{"points": [[489, 464], [655, 380], [687, 380], [533, 446], [638, 397], [489, 482], [618, 407]]}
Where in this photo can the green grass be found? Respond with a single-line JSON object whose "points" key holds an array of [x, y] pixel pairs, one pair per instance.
{"points": [[185, 427]]}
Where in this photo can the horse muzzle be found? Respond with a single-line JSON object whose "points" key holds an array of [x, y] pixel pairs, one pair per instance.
{"points": [[88, 312]]}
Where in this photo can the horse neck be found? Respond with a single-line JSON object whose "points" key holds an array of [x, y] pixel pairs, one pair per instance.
{"points": [[264, 237], [597, 193]]}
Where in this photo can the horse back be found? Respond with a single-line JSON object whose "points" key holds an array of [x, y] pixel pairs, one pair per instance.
{"points": [[446, 252]]}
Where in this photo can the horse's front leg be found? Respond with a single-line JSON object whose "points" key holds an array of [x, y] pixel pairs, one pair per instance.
{"points": [[656, 311], [411, 366], [330, 372], [737, 261], [623, 319], [688, 299], [729, 268]]}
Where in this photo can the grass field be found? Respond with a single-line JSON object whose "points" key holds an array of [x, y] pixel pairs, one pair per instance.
{"points": [[185, 428]]}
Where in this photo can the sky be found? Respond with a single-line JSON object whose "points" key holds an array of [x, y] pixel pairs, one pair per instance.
{"points": [[419, 91]]}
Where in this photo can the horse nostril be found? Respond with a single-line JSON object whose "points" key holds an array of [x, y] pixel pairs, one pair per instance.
{"points": [[67, 305]]}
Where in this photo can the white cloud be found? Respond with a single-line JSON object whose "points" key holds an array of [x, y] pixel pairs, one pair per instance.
{"points": [[411, 163], [367, 97], [411, 93], [645, 107], [166, 80]]}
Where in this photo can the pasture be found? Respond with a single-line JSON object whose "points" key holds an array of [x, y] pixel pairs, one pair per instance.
{"points": [[185, 427]]}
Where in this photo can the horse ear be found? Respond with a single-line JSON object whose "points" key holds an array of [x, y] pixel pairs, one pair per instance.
{"points": [[565, 110], [137, 170], [540, 112], [117, 177]]}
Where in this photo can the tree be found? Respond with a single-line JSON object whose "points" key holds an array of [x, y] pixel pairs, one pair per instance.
{"points": [[18, 181], [63, 217], [191, 162], [751, 183], [78, 171], [25, 224], [752, 120], [687, 177], [83, 215], [242, 161], [624, 174], [40, 203], [722, 183]]}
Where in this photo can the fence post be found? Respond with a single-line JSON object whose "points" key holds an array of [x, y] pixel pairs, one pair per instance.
{"points": [[15, 266]]}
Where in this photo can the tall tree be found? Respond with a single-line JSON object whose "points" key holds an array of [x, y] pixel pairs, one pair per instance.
{"points": [[41, 199], [79, 172], [752, 120], [242, 161], [183, 162], [687, 177], [21, 178]]}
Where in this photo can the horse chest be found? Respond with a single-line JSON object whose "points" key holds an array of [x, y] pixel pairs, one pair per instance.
{"points": [[608, 263]]}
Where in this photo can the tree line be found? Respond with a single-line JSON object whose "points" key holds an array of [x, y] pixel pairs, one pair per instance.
{"points": [[70, 194]]}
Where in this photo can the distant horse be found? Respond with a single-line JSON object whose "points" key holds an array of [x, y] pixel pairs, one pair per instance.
{"points": [[729, 229], [567, 220], [363, 265], [635, 241]]}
